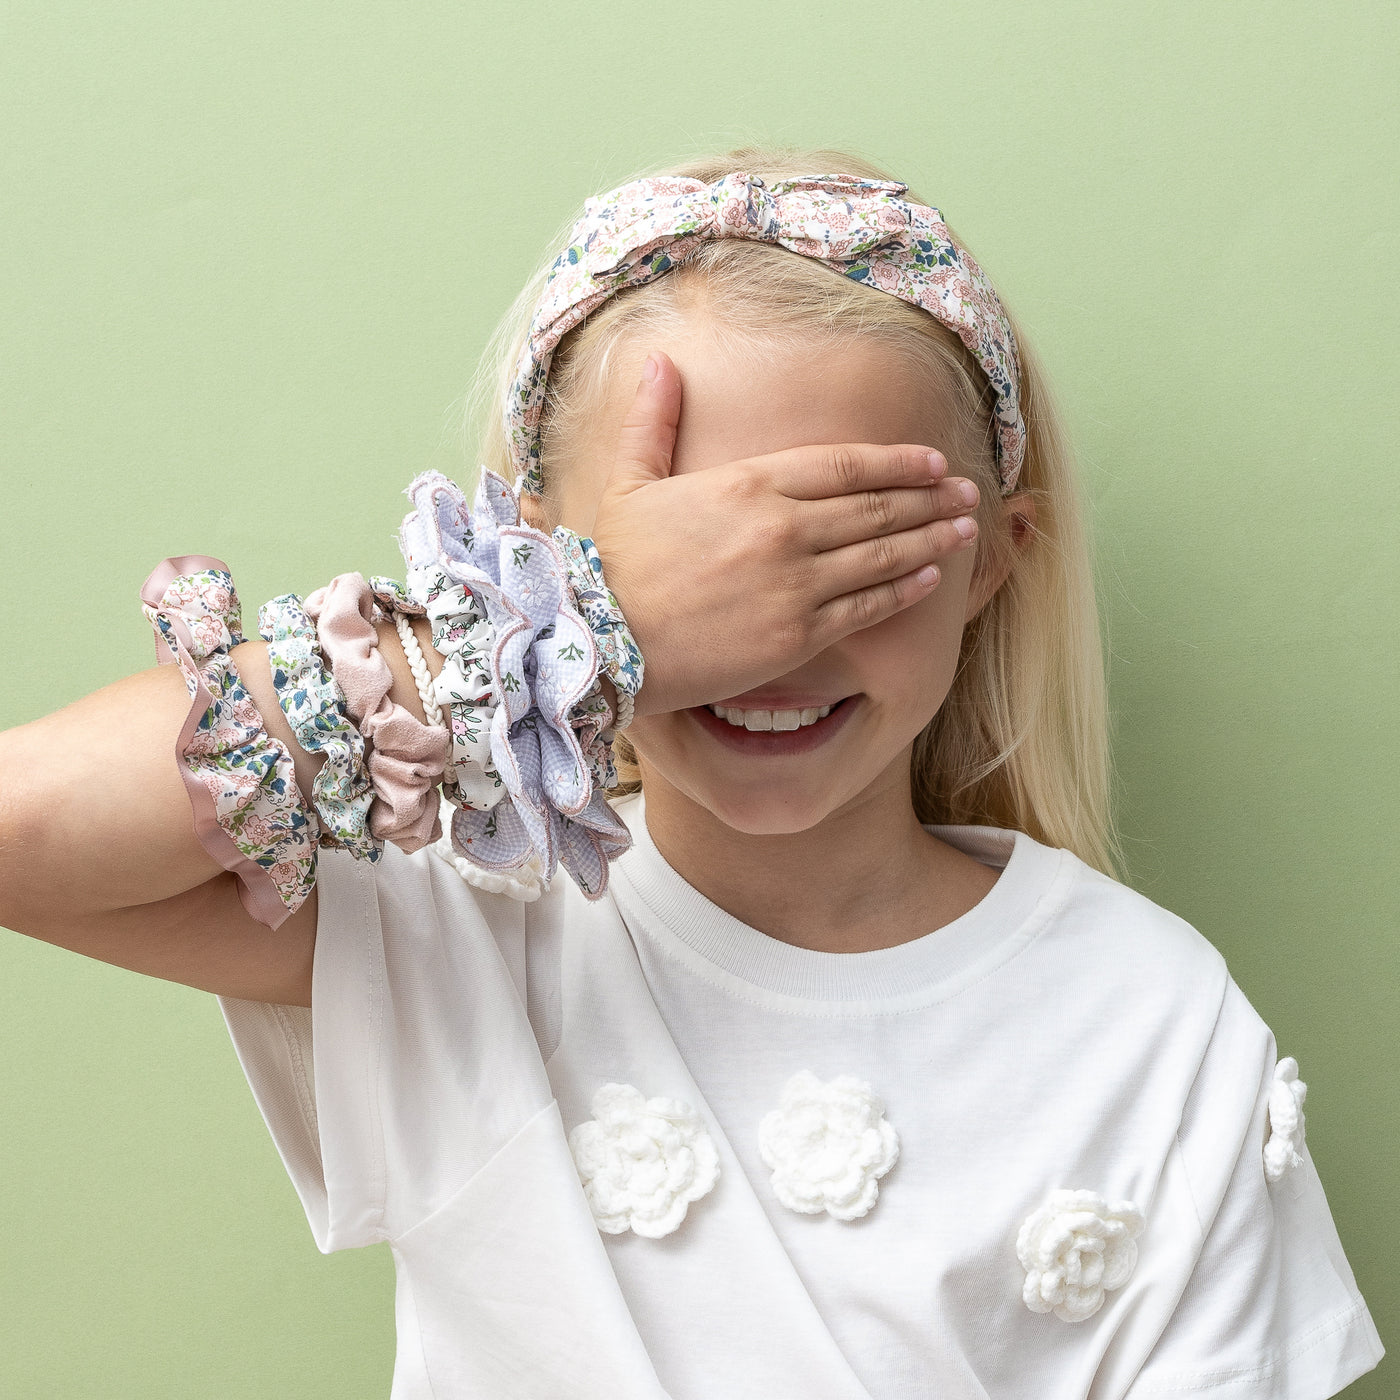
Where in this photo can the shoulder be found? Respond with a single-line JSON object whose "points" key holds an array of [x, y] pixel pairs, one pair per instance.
{"points": [[1124, 968], [1128, 937], [1134, 934]]}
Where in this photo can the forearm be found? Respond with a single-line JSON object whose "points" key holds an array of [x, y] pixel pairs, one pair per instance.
{"points": [[94, 813]]}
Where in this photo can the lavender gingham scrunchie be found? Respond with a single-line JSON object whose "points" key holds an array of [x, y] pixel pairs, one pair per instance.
{"points": [[860, 228], [542, 661]]}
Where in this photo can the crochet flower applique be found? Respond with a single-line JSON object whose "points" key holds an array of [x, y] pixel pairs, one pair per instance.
{"points": [[642, 1161], [1074, 1248], [1287, 1125], [828, 1146]]}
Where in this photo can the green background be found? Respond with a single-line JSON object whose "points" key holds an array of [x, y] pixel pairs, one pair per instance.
{"points": [[251, 255]]}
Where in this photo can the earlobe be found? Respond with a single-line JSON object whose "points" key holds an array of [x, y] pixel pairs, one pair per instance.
{"points": [[533, 513]]}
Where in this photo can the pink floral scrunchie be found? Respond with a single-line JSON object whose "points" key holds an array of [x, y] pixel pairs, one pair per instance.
{"points": [[860, 228], [249, 813]]}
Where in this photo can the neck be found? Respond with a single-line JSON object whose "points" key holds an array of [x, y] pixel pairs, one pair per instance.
{"points": [[865, 876]]}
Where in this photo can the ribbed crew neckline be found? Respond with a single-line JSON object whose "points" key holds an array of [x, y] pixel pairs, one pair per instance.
{"points": [[1033, 880]]}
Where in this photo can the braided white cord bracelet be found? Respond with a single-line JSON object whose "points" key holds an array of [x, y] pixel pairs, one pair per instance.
{"points": [[419, 666], [626, 705]]}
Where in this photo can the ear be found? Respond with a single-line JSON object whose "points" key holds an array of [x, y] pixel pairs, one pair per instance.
{"points": [[1019, 518]]}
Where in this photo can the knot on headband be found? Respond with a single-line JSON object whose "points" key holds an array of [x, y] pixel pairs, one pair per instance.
{"points": [[861, 228]]}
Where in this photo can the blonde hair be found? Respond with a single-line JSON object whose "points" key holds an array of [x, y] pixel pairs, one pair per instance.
{"points": [[1022, 738]]}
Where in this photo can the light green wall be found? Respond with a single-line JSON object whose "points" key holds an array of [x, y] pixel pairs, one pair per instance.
{"points": [[251, 253]]}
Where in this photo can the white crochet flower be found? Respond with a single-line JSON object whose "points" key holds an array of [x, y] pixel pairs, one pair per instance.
{"points": [[1075, 1247], [828, 1145], [1287, 1126], [642, 1161]]}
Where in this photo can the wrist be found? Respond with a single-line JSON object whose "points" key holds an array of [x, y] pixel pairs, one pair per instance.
{"points": [[250, 660], [609, 692]]}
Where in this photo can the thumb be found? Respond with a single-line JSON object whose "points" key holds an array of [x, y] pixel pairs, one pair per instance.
{"points": [[648, 434]]}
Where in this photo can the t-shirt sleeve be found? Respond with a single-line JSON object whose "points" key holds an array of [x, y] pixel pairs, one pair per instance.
{"points": [[414, 1063], [1271, 1310]]}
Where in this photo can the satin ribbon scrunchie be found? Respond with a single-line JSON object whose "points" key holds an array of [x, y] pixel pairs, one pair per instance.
{"points": [[404, 756], [249, 813], [541, 661], [315, 709]]}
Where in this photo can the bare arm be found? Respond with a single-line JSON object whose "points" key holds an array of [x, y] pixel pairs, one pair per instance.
{"points": [[97, 845]]}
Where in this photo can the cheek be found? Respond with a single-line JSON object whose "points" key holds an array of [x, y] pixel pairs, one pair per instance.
{"points": [[913, 655]]}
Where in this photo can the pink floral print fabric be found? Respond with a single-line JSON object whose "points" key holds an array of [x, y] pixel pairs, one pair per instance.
{"points": [[249, 813], [860, 228]]}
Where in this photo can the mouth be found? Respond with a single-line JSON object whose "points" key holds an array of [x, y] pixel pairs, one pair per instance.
{"points": [[754, 732]]}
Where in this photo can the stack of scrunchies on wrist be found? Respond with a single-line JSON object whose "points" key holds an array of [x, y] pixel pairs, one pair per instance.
{"points": [[519, 730]]}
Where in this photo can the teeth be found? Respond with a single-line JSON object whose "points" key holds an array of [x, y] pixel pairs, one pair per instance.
{"points": [[770, 719]]}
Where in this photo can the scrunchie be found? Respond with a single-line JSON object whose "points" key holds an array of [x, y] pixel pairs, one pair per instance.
{"points": [[315, 709], [621, 659], [542, 661], [405, 756], [462, 637], [249, 813]]}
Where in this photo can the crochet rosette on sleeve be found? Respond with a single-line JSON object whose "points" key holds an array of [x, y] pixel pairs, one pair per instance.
{"points": [[533, 664]]}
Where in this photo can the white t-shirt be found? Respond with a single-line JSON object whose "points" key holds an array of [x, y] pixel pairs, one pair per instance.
{"points": [[1066, 1034]]}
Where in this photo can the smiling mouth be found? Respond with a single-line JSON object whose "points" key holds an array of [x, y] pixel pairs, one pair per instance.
{"points": [[758, 721], [775, 732]]}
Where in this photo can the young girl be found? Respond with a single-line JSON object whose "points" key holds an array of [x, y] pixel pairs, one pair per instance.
{"points": [[842, 1065]]}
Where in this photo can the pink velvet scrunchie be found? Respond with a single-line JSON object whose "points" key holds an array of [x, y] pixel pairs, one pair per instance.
{"points": [[404, 756]]}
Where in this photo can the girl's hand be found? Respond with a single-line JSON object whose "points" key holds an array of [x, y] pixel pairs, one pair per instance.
{"points": [[732, 576]]}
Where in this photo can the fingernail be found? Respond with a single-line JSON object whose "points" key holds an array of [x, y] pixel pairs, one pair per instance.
{"points": [[937, 464], [966, 526], [650, 369], [927, 575], [967, 493]]}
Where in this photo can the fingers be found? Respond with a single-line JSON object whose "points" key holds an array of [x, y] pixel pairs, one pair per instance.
{"points": [[648, 434], [864, 608], [862, 515], [858, 568], [837, 469]]}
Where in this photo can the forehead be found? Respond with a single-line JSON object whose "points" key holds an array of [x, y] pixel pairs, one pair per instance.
{"points": [[744, 397]]}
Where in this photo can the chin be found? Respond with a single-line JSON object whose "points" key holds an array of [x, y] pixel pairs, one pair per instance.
{"points": [[765, 812]]}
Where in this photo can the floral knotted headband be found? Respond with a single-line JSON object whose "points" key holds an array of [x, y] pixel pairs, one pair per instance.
{"points": [[858, 227]]}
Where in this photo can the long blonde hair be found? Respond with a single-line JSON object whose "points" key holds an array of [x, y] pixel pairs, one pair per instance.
{"points": [[1022, 739]]}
